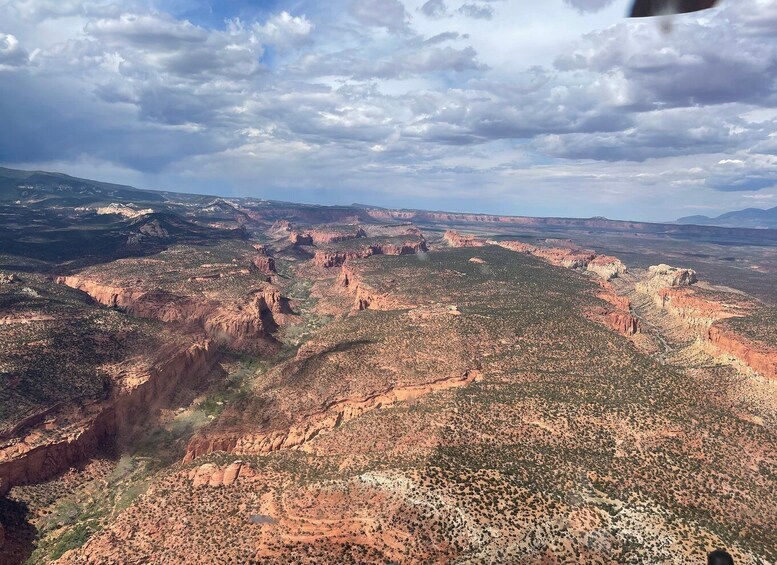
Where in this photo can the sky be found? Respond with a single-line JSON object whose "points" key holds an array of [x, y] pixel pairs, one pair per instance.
{"points": [[551, 108]]}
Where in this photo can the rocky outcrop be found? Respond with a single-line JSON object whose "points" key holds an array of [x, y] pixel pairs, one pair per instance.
{"points": [[328, 258], [455, 239], [758, 357], [333, 415], [281, 226], [365, 296], [8, 279], [297, 238], [35, 458], [569, 258], [606, 267], [703, 314], [264, 264], [240, 323], [696, 312], [325, 236], [616, 314], [663, 276], [210, 475]]}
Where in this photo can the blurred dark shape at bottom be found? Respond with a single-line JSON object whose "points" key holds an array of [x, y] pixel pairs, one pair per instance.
{"points": [[720, 557], [648, 8]]}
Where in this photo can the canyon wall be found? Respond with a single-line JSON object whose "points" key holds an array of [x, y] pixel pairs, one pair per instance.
{"points": [[333, 415], [241, 323], [703, 314], [616, 314], [35, 458], [329, 258]]}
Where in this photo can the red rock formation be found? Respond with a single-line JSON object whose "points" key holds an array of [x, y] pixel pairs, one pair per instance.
{"points": [[366, 297], [33, 459], [324, 258], [264, 264], [455, 239], [703, 314], [241, 323], [297, 238], [617, 314], [211, 475], [281, 226], [559, 256], [336, 413], [758, 357], [606, 267]]}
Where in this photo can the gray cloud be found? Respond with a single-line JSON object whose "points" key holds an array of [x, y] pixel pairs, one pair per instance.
{"points": [[477, 11], [327, 99], [589, 6], [380, 13], [434, 9], [11, 53]]}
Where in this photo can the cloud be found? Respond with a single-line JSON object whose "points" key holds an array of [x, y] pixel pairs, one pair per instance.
{"points": [[284, 30], [589, 6], [370, 94], [434, 9], [477, 11], [11, 53], [380, 13]]}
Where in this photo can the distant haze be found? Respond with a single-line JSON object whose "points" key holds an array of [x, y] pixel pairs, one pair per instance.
{"points": [[557, 108]]}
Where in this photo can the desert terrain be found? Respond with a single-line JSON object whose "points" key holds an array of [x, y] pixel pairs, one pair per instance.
{"points": [[187, 378]]}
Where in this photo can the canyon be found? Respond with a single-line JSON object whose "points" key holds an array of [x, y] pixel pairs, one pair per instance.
{"points": [[233, 380]]}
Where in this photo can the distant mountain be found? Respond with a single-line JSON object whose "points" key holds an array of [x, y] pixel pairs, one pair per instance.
{"points": [[748, 218]]}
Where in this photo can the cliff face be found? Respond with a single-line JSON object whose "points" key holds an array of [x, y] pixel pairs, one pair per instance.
{"points": [[617, 315], [33, 459], [327, 259], [756, 356], [702, 314], [607, 267], [365, 297], [241, 323], [264, 264], [333, 415], [455, 239], [559, 256]]}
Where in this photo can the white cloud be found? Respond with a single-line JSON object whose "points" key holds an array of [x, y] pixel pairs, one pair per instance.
{"points": [[284, 30], [11, 53]]}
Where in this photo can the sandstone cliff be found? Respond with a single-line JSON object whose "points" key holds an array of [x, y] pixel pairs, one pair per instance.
{"points": [[37, 457], [617, 314], [336, 258], [264, 264], [333, 415], [703, 313], [243, 324], [455, 239], [365, 296], [560, 256]]}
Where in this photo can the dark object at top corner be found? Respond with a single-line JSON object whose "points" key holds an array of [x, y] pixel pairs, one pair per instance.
{"points": [[647, 8], [719, 557]]}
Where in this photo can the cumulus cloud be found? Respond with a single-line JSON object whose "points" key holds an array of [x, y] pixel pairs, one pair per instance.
{"points": [[285, 30], [424, 99], [11, 53]]}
